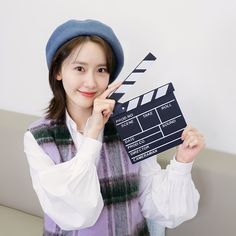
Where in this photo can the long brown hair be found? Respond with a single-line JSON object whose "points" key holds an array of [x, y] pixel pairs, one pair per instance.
{"points": [[57, 105]]}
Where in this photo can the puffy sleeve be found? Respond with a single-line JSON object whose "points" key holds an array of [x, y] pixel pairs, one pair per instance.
{"points": [[167, 195], [69, 192]]}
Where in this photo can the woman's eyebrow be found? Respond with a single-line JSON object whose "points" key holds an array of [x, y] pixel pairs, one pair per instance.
{"points": [[79, 62], [102, 64], [84, 63]]}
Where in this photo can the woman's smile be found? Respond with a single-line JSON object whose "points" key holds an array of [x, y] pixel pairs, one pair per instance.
{"points": [[87, 94]]}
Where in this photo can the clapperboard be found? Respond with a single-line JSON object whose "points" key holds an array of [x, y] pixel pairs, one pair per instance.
{"points": [[150, 123]]}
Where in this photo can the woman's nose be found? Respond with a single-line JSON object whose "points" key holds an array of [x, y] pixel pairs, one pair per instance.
{"points": [[90, 80]]}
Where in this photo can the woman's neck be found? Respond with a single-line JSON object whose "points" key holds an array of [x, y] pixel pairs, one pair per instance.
{"points": [[80, 117]]}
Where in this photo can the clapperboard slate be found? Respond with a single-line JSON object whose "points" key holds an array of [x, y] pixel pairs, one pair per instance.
{"points": [[151, 123]]}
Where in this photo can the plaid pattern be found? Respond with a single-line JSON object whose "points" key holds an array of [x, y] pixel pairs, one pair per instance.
{"points": [[119, 189], [119, 181]]}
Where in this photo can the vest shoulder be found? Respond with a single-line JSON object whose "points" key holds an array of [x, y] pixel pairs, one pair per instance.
{"points": [[46, 131], [39, 123]]}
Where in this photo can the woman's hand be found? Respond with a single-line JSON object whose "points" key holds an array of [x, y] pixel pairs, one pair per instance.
{"points": [[193, 143], [102, 110]]}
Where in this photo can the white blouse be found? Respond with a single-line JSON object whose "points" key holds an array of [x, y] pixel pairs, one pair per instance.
{"points": [[70, 194]]}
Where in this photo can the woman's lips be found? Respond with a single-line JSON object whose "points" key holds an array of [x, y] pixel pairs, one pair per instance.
{"points": [[88, 94]]}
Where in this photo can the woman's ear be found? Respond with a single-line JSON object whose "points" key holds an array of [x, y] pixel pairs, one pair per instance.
{"points": [[58, 76]]}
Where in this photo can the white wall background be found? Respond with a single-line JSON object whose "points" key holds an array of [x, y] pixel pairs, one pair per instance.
{"points": [[194, 40]]}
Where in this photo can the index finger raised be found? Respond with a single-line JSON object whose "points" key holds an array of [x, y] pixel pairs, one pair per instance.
{"points": [[112, 87]]}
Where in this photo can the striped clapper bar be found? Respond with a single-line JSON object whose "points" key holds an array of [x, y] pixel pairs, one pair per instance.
{"points": [[150, 123]]}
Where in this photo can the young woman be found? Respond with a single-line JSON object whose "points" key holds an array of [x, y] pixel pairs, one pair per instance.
{"points": [[80, 170]]}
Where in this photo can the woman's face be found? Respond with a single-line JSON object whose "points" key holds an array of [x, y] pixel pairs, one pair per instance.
{"points": [[84, 75]]}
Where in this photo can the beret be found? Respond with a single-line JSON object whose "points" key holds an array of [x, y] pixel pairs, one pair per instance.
{"points": [[74, 28]]}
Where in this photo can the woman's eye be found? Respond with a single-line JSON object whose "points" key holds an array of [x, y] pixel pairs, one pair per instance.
{"points": [[79, 68], [102, 70]]}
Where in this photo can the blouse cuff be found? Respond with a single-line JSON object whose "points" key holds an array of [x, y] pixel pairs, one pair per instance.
{"points": [[180, 168]]}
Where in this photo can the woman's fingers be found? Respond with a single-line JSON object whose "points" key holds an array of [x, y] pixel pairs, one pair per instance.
{"points": [[102, 105], [187, 130], [192, 137], [193, 143], [112, 87]]}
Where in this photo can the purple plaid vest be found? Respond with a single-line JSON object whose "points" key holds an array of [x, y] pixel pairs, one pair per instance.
{"points": [[119, 182]]}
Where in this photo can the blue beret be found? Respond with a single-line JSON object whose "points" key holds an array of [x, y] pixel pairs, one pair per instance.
{"points": [[74, 28]]}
